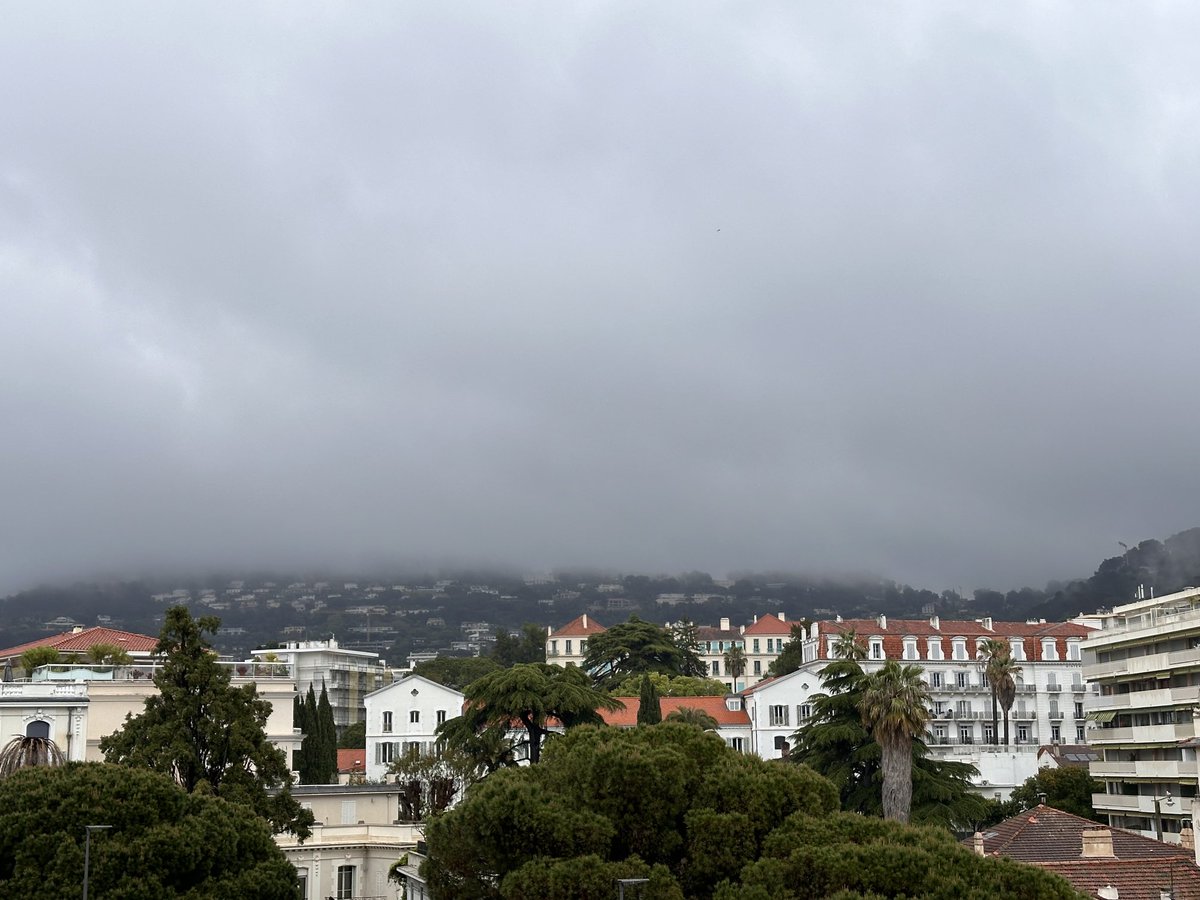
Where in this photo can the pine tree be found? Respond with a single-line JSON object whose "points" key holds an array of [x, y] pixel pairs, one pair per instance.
{"points": [[327, 765], [649, 707], [309, 752]]}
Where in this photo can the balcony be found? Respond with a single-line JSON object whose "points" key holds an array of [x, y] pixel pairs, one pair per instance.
{"points": [[1180, 696], [1141, 734], [1143, 665], [1056, 715], [1149, 769], [1126, 804], [1053, 687]]}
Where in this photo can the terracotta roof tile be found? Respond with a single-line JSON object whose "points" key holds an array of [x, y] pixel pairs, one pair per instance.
{"points": [[1046, 834], [353, 762], [714, 706], [898, 629], [576, 627], [81, 641], [770, 624]]}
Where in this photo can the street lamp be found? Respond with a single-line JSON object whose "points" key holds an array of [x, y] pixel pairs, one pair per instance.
{"points": [[1169, 801], [621, 882], [87, 853]]}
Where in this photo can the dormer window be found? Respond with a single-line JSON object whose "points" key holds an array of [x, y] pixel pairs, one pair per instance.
{"points": [[934, 648], [910, 648], [960, 648], [876, 648], [1018, 648], [1049, 649]]}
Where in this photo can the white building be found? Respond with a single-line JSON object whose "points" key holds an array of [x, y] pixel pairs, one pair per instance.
{"points": [[348, 675], [1145, 665], [1050, 691], [354, 843], [567, 646], [404, 716], [714, 644]]}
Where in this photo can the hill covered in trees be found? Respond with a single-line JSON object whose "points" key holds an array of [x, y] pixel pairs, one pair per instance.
{"points": [[458, 612]]}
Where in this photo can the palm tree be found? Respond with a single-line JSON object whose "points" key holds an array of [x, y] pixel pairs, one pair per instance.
{"points": [[989, 653], [24, 751], [735, 663], [848, 647], [1002, 673], [895, 709]]}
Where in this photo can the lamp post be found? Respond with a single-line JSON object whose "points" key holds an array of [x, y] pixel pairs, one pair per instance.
{"points": [[1169, 801], [621, 882], [87, 853]]}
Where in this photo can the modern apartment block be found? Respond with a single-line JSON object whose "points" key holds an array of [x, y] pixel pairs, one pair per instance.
{"points": [[348, 675], [1145, 665]]}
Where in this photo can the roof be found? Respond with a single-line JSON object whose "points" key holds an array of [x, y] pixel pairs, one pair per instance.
{"points": [[580, 625], [713, 633], [769, 624], [352, 762], [1052, 839], [1045, 834], [893, 632], [1070, 755], [81, 641], [714, 706]]}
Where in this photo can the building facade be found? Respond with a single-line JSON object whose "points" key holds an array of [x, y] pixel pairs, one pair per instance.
{"points": [[567, 646], [1144, 664], [404, 717], [347, 675]]}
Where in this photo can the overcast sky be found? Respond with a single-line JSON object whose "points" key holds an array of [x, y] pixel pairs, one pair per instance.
{"points": [[902, 288]]}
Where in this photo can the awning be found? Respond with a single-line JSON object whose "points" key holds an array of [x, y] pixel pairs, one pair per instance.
{"points": [[1102, 715]]}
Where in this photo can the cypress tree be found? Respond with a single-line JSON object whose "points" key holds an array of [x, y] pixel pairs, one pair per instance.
{"points": [[298, 722], [310, 753], [327, 766], [649, 708]]}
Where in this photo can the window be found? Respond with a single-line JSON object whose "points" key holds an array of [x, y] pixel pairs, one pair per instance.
{"points": [[1049, 649], [716, 667], [1079, 734], [962, 679], [737, 744], [345, 883], [1079, 710], [38, 729], [554, 648], [770, 645], [803, 711], [876, 649], [1073, 650], [385, 752], [939, 709], [1055, 734], [966, 734], [567, 644], [302, 884], [939, 733], [962, 709], [778, 715], [414, 716], [1022, 734], [387, 722], [1018, 648], [934, 648], [583, 647], [960, 648], [756, 645], [935, 679], [910, 648], [441, 716], [349, 812], [989, 736], [758, 667]]}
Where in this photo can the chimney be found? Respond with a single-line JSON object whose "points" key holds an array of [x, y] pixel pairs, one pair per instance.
{"points": [[783, 617], [977, 844], [77, 629], [585, 620], [986, 622], [839, 617], [1097, 844], [882, 620], [1187, 838], [724, 623], [935, 623], [1108, 892]]}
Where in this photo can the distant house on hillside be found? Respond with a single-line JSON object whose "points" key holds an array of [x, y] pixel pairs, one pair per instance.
{"points": [[567, 646]]}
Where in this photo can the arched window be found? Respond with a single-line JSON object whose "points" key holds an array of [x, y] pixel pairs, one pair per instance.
{"points": [[37, 729]]}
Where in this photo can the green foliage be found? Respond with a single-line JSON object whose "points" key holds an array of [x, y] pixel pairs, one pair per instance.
{"points": [[354, 737], [636, 647], [587, 878], [489, 748], [735, 663], [895, 707], [456, 671], [309, 759], [667, 686], [427, 783], [108, 654], [528, 647], [532, 694], [23, 751], [206, 734], [327, 731], [1067, 788], [835, 742], [163, 843], [847, 856], [649, 709], [39, 656], [665, 795], [697, 718]]}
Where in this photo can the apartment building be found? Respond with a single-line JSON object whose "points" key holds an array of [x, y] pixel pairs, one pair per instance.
{"points": [[1144, 663], [1049, 707], [347, 675], [567, 646], [715, 643], [403, 717]]}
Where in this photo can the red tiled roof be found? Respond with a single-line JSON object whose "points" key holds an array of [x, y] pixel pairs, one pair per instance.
{"points": [[575, 627], [81, 641], [712, 633], [770, 624], [1052, 839], [714, 706], [352, 762], [898, 629], [1075, 756], [1045, 834]]}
